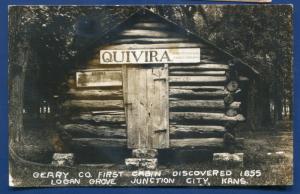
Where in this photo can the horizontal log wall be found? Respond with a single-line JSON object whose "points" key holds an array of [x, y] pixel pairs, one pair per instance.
{"points": [[192, 131], [88, 105], [99, 142], [199, 117], [197, 142], [96, 94], [200, 104], [92, 131], [94, 112]]}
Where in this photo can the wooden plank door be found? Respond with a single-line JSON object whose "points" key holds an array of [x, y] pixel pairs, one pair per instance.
{"points": [[146, 104]]}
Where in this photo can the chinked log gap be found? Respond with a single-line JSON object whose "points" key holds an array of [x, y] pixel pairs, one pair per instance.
{"points": [[233, 88]]}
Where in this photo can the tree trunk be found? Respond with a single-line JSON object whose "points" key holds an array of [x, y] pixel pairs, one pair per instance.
{"points": [[277, 107], [18, 60], [291, 110]]}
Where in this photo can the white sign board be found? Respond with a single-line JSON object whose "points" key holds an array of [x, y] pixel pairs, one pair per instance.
{"points": [[98, 78], [151, 56]]}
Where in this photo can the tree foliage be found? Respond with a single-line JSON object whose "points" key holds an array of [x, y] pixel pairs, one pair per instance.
{"points": [[259, 35]]}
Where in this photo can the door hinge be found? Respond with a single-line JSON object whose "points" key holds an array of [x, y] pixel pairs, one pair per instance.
{"points": [[159, 79], [128, 104], [160, 131]]}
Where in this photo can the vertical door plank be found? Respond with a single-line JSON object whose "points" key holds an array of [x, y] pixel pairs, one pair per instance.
{"points": [[159, 108], [132, 132], [137, 112], [150, 104], [125, 89], [142, 107]]}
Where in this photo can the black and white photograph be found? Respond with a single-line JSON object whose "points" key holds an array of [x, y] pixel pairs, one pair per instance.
{"points": [[139, 96]]}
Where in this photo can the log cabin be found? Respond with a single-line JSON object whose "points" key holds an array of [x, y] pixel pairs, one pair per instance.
{"points": [[149, 84]]}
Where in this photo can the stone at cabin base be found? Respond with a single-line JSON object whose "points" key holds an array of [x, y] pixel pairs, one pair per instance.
{"points": [[63, 159], [144, 153], [141, 163], [235, 159]]}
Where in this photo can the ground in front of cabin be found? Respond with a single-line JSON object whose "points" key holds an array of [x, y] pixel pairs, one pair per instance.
{"points": [[268, 151]]}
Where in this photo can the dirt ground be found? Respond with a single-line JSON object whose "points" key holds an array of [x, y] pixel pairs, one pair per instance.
{"points": [[270, 151]]}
